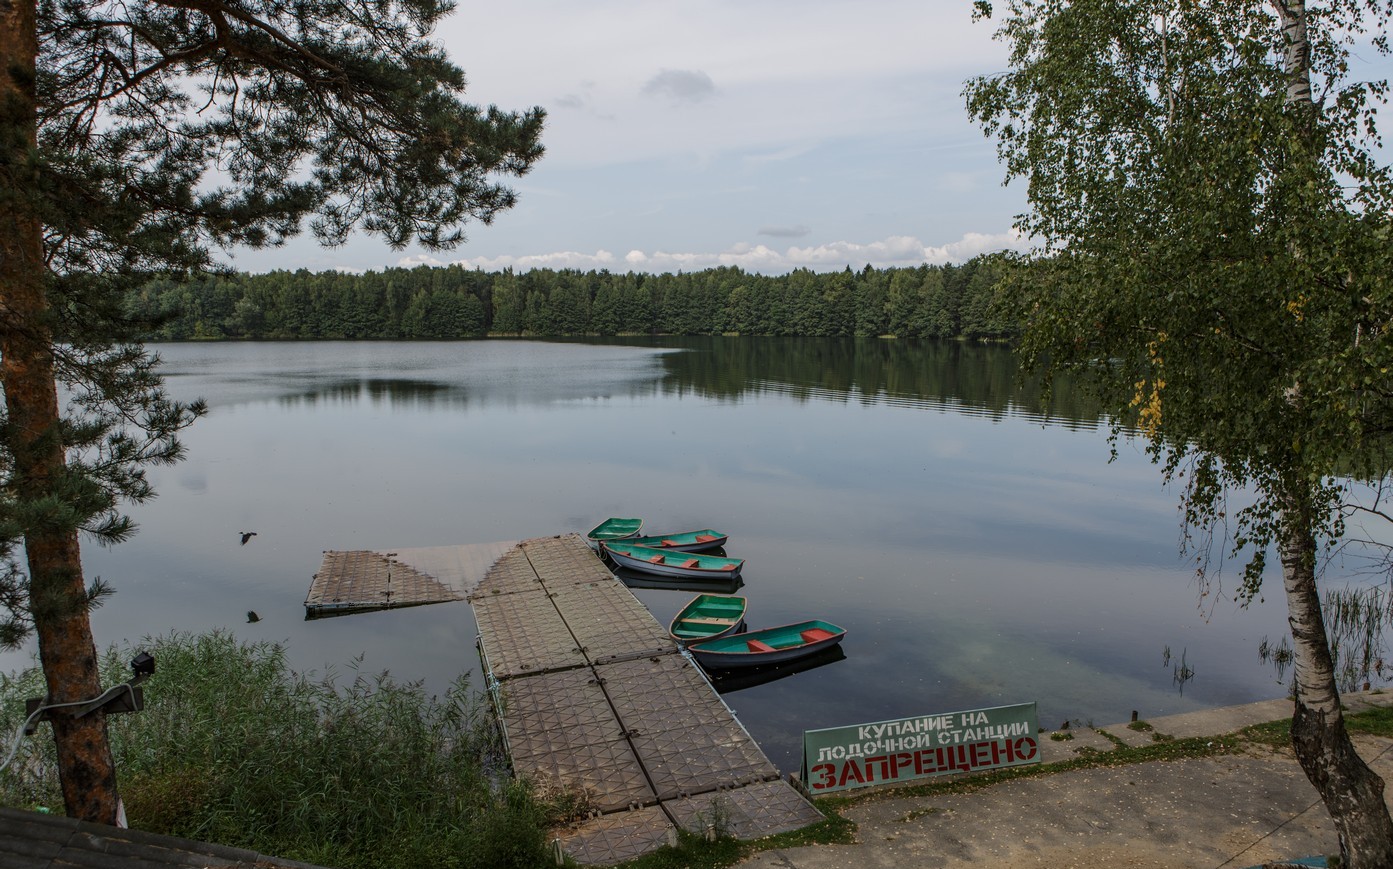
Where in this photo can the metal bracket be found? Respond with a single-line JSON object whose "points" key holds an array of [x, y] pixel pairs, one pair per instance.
{"points": [[131, 700]]}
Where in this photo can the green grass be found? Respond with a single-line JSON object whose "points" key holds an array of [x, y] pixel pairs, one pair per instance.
{"points": [[1377, 721], [361, 771]]}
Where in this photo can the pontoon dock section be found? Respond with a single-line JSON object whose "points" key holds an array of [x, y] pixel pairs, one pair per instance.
{"points": [[594, 695]]}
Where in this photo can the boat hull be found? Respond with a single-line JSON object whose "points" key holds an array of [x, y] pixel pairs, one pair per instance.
{"points": [[685, 541], [767, 646], [661, 562]]}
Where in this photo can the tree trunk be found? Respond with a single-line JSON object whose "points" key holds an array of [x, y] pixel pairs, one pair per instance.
{"points": [[1352, 793], [57, 596]]}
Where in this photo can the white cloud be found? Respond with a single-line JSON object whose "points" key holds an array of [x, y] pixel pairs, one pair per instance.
{"points": [[680, 85], [568, 259], [895, 251], [974, 243]]}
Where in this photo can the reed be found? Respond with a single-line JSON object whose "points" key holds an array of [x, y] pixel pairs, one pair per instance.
{"points": [[347, 770]]}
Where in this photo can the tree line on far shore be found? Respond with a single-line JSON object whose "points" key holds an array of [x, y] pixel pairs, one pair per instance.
{"points": [[454, 302]]}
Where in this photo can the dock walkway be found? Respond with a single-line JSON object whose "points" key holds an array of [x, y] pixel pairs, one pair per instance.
{"points": [[594, 696]]}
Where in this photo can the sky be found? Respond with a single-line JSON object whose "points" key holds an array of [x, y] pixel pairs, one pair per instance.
{"points": [[765, 134]]}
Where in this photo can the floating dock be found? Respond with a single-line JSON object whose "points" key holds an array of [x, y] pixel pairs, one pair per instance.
{"points": [[595, 697], [365, 580]]}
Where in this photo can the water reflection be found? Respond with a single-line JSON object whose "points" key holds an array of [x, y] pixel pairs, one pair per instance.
{"points": [[429, 375], [1181, 671], [730, 681], [392, 392], [948, 376], [635, 579], [945, 376]]}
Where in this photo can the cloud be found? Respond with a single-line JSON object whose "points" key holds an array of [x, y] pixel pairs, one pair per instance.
{"points": [[785, 231], [567, 259], [895, 251], [680, 85], [974, 243]]}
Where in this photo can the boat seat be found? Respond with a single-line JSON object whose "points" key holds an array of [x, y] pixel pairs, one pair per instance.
{"points": [[671, 543], [704, 538], [812, 635], [758, 646], [657, 559], [691, 562], [727, 567]]}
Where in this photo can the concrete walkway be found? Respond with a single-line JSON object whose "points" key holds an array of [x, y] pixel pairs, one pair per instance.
{"points": [[1226, 812]]}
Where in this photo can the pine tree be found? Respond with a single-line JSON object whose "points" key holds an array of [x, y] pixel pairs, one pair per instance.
{"points": [[136, 137]]}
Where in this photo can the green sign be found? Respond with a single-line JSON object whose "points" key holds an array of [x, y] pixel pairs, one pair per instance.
{"points": [[838, 758]]}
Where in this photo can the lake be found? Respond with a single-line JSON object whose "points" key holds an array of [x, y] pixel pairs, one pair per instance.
{"points": [[979, 550]]}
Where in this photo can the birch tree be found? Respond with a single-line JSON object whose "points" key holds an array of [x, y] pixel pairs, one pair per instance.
{"points": [[136, 137], [1215, 258]]}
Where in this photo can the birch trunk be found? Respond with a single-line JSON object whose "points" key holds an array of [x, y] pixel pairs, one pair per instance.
{"points": [[56, 589], [1352, 793]]}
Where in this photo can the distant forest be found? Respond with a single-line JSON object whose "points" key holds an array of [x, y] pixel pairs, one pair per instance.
{"points": [[454, 302]]}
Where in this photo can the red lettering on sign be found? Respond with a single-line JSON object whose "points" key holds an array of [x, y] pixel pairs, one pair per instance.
{"points": [[828, 776], [851, 772], [957, 757], [900, 761], [884, 761], [980, 753]]}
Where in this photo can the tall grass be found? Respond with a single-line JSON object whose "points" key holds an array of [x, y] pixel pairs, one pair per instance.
{"points": [[360, 771]]}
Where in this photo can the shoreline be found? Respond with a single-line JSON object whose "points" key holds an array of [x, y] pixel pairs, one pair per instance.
{"points": [[1230, 810]]}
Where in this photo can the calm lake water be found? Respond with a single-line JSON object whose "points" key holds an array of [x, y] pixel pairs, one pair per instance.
{"points": [[977, 551]]}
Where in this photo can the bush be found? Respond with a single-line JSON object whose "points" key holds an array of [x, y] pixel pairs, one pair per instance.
{"points": [[233, 747]]}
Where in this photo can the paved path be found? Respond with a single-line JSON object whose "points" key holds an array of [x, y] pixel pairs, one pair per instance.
{"points": [[1226, 812]]}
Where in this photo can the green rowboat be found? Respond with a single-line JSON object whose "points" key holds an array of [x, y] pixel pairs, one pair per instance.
{"points": [[767, 646], [613, 529], [706, 617], [665, 562], [683, 541]]}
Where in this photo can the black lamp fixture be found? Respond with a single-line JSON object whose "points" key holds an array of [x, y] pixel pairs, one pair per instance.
{"points": [[143, 665]]}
